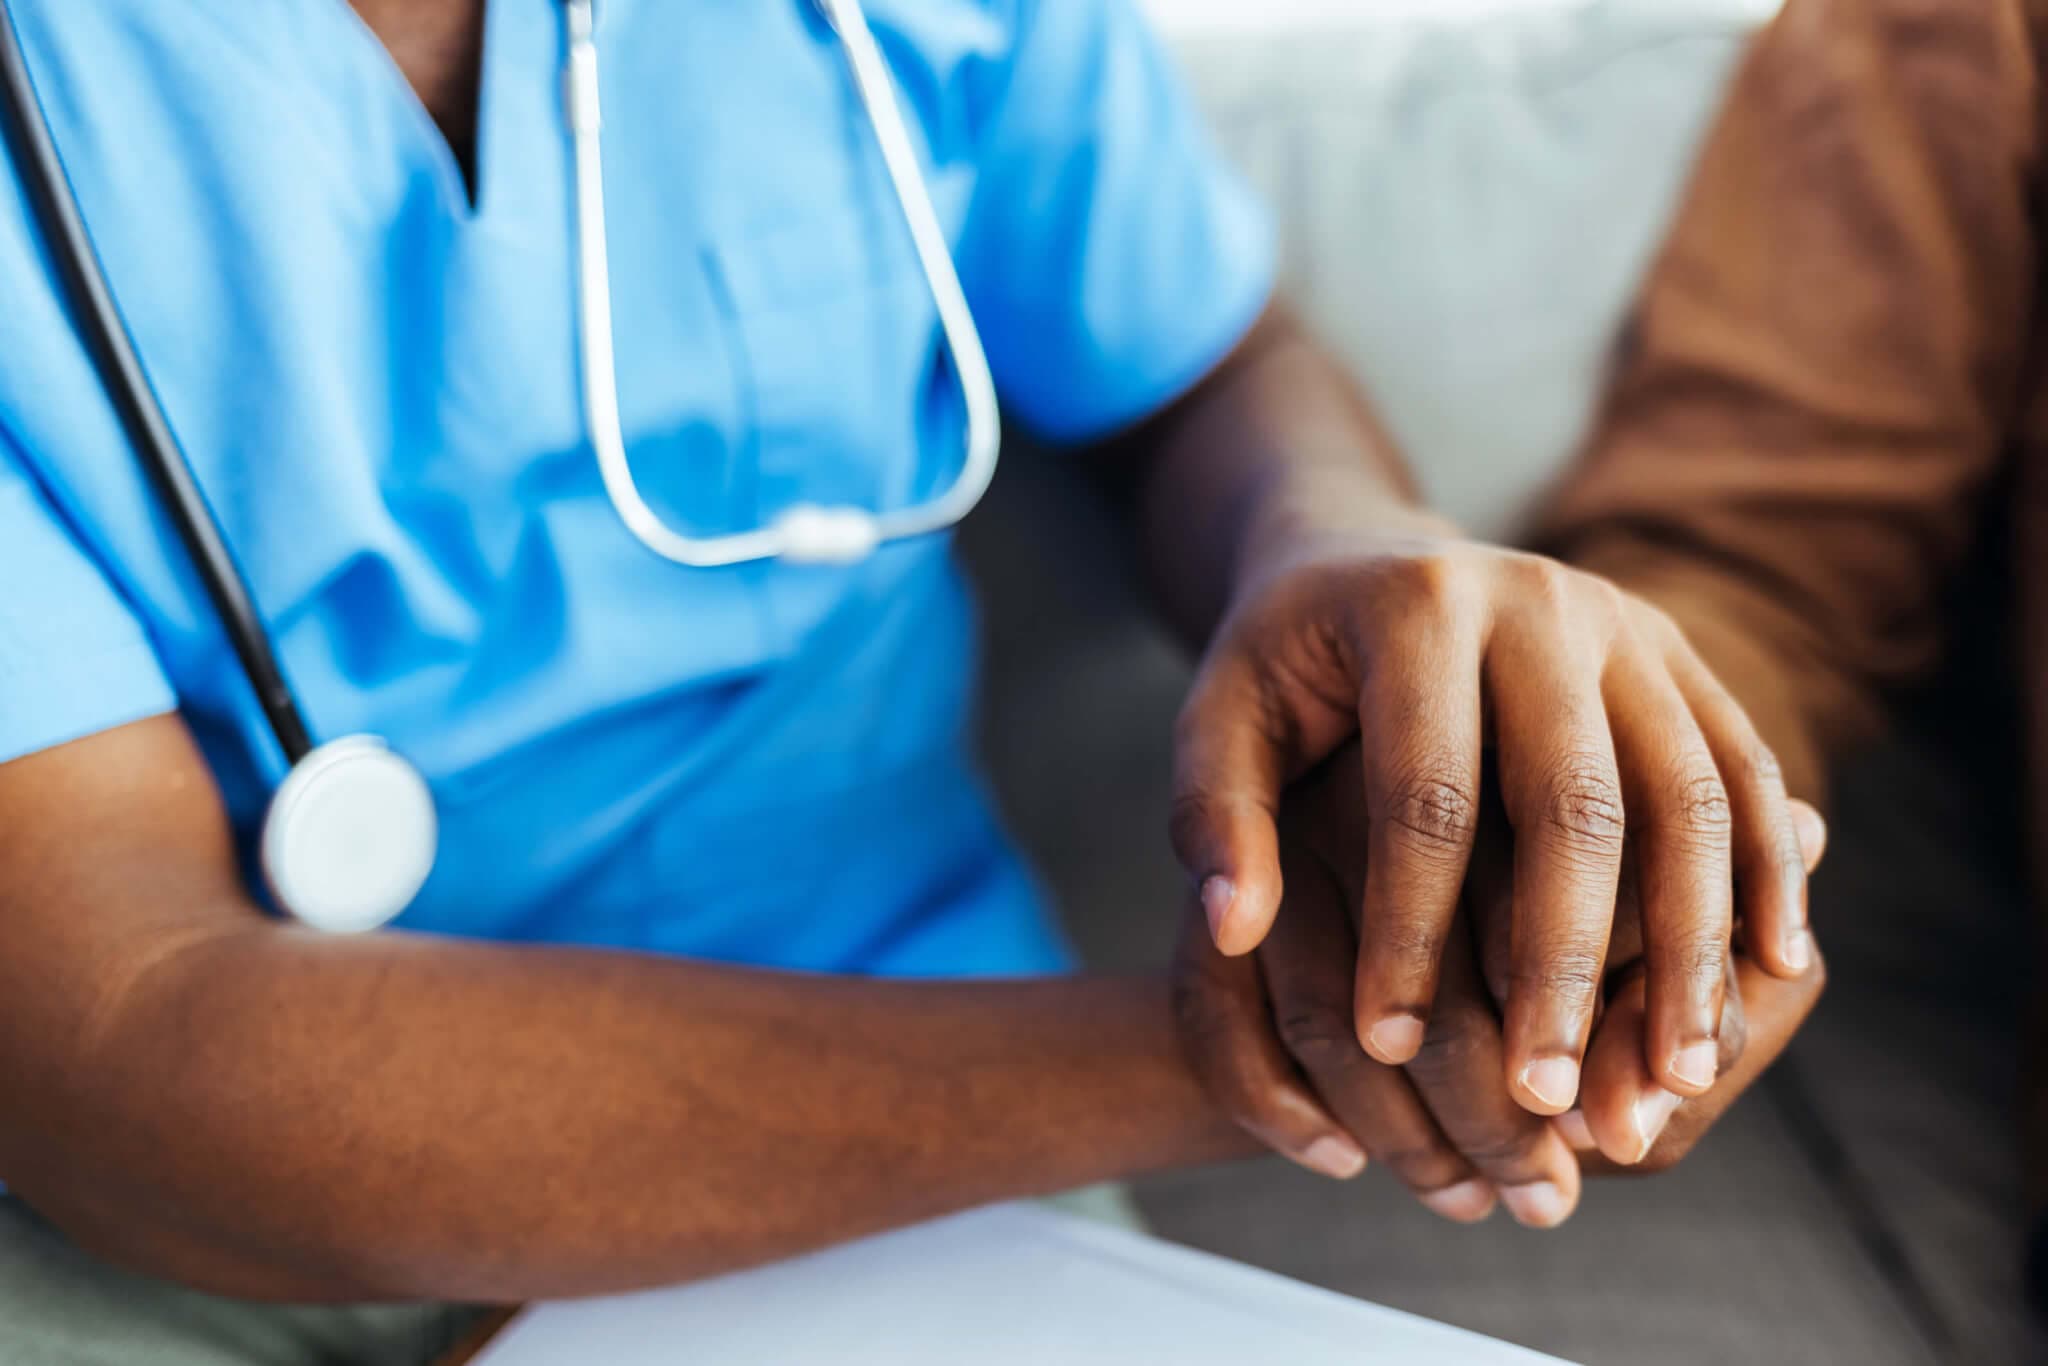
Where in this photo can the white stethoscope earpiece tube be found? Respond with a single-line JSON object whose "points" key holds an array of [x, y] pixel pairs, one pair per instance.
{"points": [[806, 533], [349, 837]]}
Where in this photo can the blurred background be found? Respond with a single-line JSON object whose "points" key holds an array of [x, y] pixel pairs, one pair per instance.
{"points": [[1469, 191]]}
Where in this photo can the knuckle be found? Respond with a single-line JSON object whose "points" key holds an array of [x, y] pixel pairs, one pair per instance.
{"points": [[1601, 595], [1654, 624], [1584, 808], [1566, 591], [1410, 946], [1188, 820], [1425, 582], [1319, 1036], [1696, 965], [1757, 767], [1700, 810], [1432, 812], [1571, 974], [1452, 1055], [1543, 590], [1421, 1165], [1199, 822], [1503, 1152]]}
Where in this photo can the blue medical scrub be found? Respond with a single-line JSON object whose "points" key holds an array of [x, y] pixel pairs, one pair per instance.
{"points": [[374, 376]]}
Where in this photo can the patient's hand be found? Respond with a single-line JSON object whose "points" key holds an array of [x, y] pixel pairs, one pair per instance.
{"points": [[1272, 1037]]}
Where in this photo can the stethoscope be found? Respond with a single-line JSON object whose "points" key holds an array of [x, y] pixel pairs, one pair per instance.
{"points": [[350, 834]]}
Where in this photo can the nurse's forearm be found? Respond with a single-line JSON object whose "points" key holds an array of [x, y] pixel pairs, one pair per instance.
{"points": [[1276, 450], [286, 1116]]}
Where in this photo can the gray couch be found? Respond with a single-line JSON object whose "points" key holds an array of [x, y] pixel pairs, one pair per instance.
{"points": [[1473, 207]]}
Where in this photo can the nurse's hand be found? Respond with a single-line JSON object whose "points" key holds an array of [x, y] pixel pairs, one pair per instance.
{"points": [[1604, 732]]}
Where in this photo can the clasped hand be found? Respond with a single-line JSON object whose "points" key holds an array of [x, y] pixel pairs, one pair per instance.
{"points": [[1473, 836]]}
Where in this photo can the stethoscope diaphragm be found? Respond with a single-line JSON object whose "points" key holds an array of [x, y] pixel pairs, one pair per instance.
{"points": [[350, 835]]}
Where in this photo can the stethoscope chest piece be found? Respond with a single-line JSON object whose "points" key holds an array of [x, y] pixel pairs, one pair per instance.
{"points": [[350, 836]]}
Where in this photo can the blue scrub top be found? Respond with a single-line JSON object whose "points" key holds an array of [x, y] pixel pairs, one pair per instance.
{"points": [[375, 379]]}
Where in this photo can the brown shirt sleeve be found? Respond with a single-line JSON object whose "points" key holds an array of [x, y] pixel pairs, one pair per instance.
{"points": [[1822, 370]]}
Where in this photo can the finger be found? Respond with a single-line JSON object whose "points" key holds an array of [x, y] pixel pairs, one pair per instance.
{"points": [[1769, 863], [1306, 966], [1419, 716], [1622, 1106], [1625, 938], [1813, 834], [1679, 838], [1457, 1075], [1773, 1010], [1625, 1109], [1490, 893], [1734, 1035], [1226, 1027], [1563, 797], [1616, 1091], [1229, 765]]}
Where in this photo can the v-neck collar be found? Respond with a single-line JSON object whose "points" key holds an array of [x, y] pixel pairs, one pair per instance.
{"points": [[469, 196]]}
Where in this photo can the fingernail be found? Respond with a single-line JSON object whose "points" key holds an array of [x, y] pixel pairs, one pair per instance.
{"points": [[1540, 1204], [1653, 1110], [1799, 951], [1467, 1202], [1573, 1129], [1395, 1039], [1335, 1157], [1218, 894], [1697, 1063], [1553, 1081]]}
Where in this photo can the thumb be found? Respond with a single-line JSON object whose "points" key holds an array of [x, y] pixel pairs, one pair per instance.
{"points": [[1227, 776]]}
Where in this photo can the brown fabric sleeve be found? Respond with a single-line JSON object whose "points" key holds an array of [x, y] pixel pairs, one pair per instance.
{"points": [[1821, 371]]}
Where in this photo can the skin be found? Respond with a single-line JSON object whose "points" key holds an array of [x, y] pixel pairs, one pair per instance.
{"points": [[1368, 616], [1271, 1036], [438, 47], [1352, 615], [193, 1090]]}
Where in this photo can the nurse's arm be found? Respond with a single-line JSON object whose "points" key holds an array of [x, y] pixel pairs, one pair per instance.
{"points": [[1284, 532], [194, 1091]]}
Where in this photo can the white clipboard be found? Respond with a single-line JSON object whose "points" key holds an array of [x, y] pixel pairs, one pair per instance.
{"points": [[1004, 1286]]}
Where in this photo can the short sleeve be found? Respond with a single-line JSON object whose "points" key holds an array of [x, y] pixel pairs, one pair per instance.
{"points": [[1111, 255], [74, 659]]}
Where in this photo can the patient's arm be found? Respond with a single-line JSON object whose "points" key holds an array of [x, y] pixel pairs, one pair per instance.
{"points": [[193, 1090], [1825, 362]]}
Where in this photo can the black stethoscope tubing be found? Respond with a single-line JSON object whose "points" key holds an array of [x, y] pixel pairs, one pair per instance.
{"points": [[98, 318]]}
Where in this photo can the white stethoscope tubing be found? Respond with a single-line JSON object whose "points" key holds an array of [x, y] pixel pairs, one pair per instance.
{"points": [[806, 532], [350, 835]]}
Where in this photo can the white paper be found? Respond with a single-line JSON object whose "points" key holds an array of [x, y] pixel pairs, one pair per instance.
{"points": [[1005, 1286]]}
